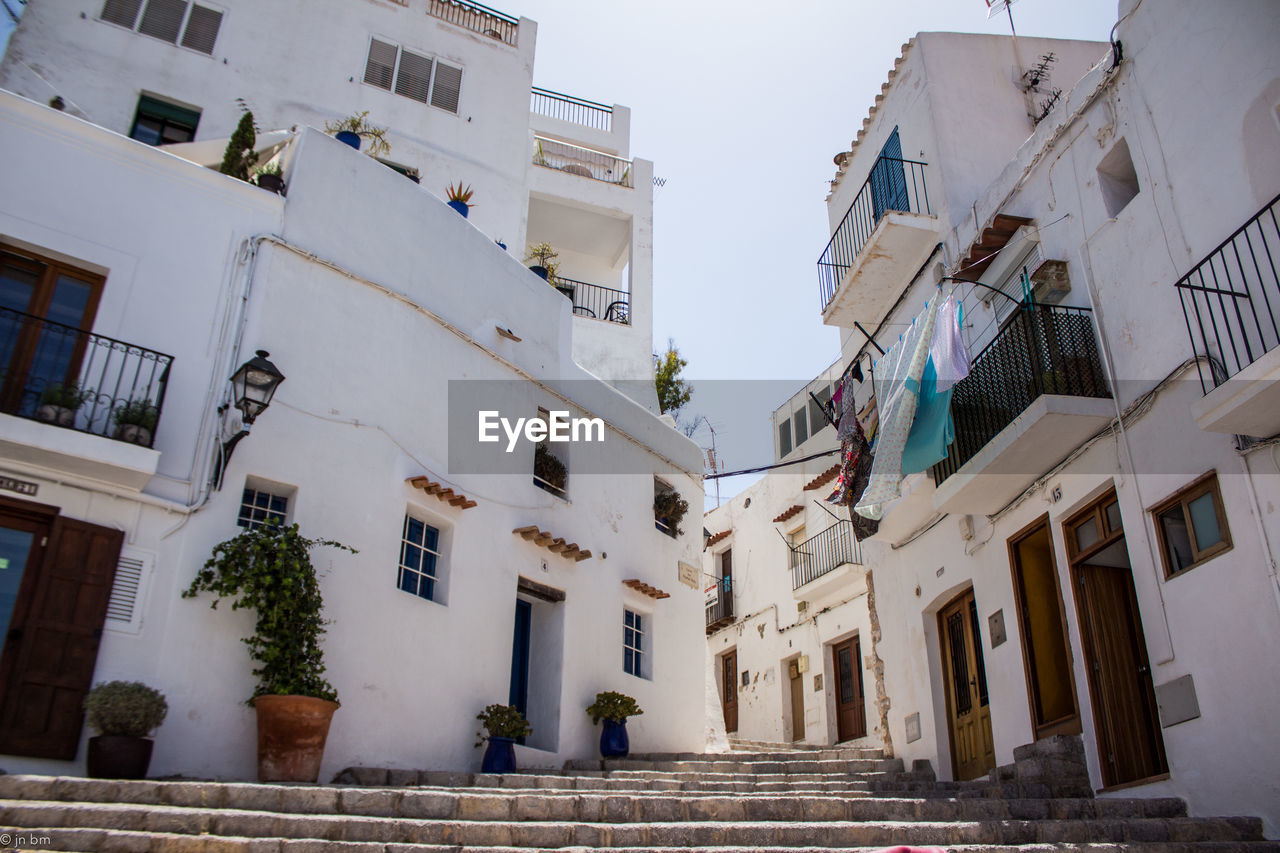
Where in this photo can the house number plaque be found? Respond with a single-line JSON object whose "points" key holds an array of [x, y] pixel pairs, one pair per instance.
{"points": [[22, 487]]}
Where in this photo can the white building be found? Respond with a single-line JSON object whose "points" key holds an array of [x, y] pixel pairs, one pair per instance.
{"points": [[389, 314], [1097, 556]]}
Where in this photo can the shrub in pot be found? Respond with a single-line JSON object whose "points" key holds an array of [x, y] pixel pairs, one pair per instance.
{"points": [[355, 129], [669, 510], [124, 713], [270, 177], [613, 708], [59, 403], [500, 725], [459, 199], [549, 469], [268, 569], [136, 421], [545, 257]]}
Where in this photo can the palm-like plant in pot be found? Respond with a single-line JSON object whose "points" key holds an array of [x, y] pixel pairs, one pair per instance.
{"points": [[268, 569], [612, 708], [501, 726], [124, 714]]}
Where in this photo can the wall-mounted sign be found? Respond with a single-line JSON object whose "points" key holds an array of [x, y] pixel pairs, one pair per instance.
{"points": [[22, 487], [711, 593], [689, 575]]}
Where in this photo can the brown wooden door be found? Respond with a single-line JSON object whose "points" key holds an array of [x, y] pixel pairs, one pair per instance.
{"points": [[51, 646], [1130, 746], [797, 700], [729, 689], [851, 719], [968, 710]]}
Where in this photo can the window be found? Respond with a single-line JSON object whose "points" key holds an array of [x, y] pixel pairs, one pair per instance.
{"points": [[633, 644], [801, 421], [1117, 178], [175, 21], [1192, 526], [158, 122], [550, 471], [260, 507], [419, 558], [817, 410], [784, 438], [413, 75]]}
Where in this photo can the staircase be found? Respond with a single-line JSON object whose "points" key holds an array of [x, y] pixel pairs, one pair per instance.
{"points": [[758, 797]]}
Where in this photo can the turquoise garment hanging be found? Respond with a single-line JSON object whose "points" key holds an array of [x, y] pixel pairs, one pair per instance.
{"points": [[932, 431]]}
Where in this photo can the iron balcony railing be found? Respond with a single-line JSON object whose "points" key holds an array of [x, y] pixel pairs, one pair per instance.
{"points": [[75, 379], [1043, 349], [1231, 300], [720, 611], [893, 184], [586, 162], [593, 300], [823, 553], [571, 109], [477, 18]]}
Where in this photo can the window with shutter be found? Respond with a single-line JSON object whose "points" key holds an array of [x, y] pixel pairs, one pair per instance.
{"points": [[381, 65], [202, 29], [122, 12], [447, 86], [414, 77], [163, 19]]}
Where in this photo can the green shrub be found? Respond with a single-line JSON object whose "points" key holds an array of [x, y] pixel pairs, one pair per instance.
{"points": [[65, 396], [611, 705], [502, 721], [128, 708], [141, 412]]}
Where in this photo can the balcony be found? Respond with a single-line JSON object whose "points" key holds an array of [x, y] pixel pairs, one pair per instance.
{"points": [[571, 109], [584, 162], [1231, 304], [1032, 396], [720, 605], [884, 237], [596, 301], [477, 18], [82, 383], [824, 563]]}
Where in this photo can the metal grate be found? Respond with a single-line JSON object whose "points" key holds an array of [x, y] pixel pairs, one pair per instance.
{"points": [[122, 12], [571, 109], [124, 590], [380, 67], [477, 18], [202, 29], [414, 78], [163, 19], [585, 162], [823, 553], [446, 89], [720, 611], [597, 301], [1043, 349]]}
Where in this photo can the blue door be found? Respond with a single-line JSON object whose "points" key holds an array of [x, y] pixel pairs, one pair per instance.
{"points": [[888, 179], [519, 696]]}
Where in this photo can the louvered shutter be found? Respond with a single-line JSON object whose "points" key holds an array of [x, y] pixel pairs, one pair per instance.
{"points": [[202, 29], [123, 604], [448, 84], [413, 79], [381, 66], [163, 19], [122, 12]]}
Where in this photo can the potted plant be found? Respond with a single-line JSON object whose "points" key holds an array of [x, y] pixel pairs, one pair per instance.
{"points": [[270, 177], [124, 714], [548, 468], [268, 569], [59, 403], [355, 128], [669, 510], [459, 199], [546, 265], [613, 708], [501, 725], [136, 421]]}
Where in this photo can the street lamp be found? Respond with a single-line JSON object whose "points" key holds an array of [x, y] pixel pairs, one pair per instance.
{"points": [[253, 384]]}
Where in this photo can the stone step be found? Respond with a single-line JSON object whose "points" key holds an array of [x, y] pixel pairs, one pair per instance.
{"points": [[480, 804], [33, 817], [856, 765], [813, 754]]}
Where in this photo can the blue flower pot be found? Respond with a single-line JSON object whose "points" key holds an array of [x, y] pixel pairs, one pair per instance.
{"points": [[349, 137], [460, 206], [499, 755], [614, 742]]}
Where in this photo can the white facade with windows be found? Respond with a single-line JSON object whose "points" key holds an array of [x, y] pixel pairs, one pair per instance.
{"points": [[1097, 556], [371, 324]]}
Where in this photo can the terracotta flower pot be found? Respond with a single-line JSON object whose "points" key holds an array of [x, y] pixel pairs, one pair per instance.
{"points": [[118, 757], [291, 734]]}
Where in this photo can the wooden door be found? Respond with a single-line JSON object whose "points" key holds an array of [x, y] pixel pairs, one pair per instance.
{"points": [[729, 689], [968, 711], [51, 646], [851, 719], [797, 700], [1130, 746]]}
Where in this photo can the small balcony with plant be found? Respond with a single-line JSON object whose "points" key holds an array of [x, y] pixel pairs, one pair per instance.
{"points": [[1231, 304], [884, 237]]}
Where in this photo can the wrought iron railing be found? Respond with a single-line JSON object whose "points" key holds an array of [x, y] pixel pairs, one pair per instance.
{"points": [[823, 553], [75, 379], [593, 300], [571, 109], [477, 18], [720, 611], [1043, 349], [893, 184], [586, 162], [1231, 300]]}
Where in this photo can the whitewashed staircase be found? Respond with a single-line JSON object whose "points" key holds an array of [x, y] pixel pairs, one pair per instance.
{"points": [[759, 798]]}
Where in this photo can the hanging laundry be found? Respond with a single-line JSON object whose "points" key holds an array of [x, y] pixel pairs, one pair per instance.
{"points": [[932, 431], [950, 358], [869, 417], [847, 422], [855, 472], [897, 375]]}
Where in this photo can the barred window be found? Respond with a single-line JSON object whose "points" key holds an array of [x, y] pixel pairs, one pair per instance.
{"points": [[419, 558]]}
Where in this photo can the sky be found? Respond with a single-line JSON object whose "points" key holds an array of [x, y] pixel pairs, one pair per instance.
{"points": [[741, 107]]}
